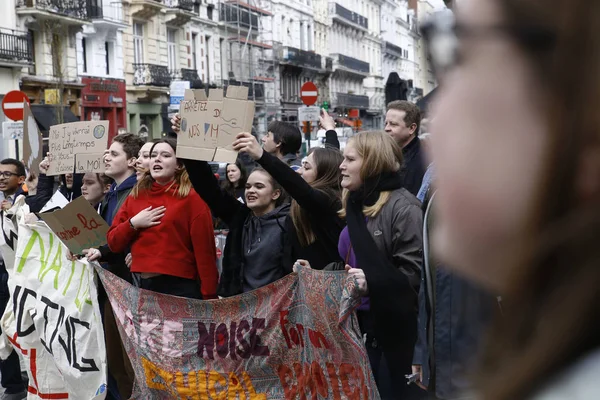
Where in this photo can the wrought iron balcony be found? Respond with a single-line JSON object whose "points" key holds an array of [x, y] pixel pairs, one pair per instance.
{"points": [[256, 91], [233, 14], [347, 100], [151, 75], [15, 48], [191, 75], [69, 8], [392, 50], [353, 64], [342, 14], [299, 57], [187, 5]]}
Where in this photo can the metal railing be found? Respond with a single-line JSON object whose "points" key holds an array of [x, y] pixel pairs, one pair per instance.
{"points": [[350, 16], [191, 75], [232, 14], [69, 8], [353, 63], [15, 46], [300, 57], [187, 5], [256, 91], [151, 75], [348, 100]]}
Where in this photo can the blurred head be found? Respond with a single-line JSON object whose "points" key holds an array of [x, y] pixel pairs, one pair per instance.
{"points": [[263, 194], [366, 155], [236, 174], [402, 121], [142, 164], [282, 139], [12, 176], [122, 156], [94, 187], [69, 181], [518, 175]]}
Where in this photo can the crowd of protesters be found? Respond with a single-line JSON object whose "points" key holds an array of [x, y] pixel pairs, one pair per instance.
{"points": [[477, 271]]}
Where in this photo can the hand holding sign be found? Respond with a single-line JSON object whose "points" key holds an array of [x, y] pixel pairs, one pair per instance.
{"points": [[246, 143]]}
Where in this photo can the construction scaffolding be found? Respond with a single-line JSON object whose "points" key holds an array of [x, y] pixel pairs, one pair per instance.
{"points": [[250, 55]]}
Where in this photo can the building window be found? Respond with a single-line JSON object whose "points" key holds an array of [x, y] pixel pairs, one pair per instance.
{"points": [[208, 44], [84, 53], [194, 51], [172, 49], [209, 11], [108, 56], [138, 43]]}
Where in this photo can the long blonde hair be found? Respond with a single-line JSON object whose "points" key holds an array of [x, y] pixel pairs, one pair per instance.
{"points": [[182, 179], [380, 154]]}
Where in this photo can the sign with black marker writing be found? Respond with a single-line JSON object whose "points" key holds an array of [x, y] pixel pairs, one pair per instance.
{"points": [[77, 147]]}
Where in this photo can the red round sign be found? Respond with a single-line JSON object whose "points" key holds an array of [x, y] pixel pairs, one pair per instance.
{"points": [[308, 93], [12, 104]]}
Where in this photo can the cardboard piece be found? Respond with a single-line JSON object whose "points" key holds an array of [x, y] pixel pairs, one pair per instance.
{"points": [[56, 201], [78, 226], [32, 141], [83, 141], [210, 124]]}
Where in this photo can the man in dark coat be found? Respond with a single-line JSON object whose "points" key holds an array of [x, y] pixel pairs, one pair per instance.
{"points": [[402, 123]]}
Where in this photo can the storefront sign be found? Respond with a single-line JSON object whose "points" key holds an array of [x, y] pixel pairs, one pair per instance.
{"points": [[177, 91]]}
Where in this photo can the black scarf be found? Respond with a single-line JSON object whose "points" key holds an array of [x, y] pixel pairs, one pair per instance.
{"points": [[392, 299]]}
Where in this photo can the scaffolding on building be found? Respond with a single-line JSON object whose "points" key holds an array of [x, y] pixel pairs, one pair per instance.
{"points": [[249, 55]]}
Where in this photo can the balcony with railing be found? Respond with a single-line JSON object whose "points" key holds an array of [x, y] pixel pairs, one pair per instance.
{"points": [[191, 75], [16, 49], [341, 14], [350, 64], [179, 12], [392, 50], [187, 5], [151, 75], [301, 58], [256, 91], [107, 12], [348, 100], [49, 9]]}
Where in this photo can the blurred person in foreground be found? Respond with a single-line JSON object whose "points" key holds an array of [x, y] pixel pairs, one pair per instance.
{"points": [[516, 144]]}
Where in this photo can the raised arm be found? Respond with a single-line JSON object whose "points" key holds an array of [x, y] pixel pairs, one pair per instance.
{"points": [[222, 204], [307, 197]]}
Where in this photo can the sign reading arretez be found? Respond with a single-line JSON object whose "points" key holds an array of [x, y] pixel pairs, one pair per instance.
{"points": [[77, 147]]}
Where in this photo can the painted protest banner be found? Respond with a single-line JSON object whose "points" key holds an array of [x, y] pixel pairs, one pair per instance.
{"points": [[210, 124], [32, 143], [54, 322], [77, 147], [77, 225], [297, 338]]}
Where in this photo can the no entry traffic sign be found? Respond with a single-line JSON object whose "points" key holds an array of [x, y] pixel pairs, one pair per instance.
{"points": [[12, 104], [308, 93]]}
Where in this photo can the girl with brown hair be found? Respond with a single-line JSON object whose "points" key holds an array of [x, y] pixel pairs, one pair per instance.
{"points": [[516, 142], [314, 226], [169, 229]]}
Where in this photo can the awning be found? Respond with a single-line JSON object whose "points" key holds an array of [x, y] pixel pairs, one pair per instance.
{"points": [[45, 116]]}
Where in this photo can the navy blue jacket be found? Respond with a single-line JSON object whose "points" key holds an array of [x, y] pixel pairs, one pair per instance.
{"points": [[453, 315]]}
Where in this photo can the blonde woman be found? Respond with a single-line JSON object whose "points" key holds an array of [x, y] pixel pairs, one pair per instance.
{"points": [[382, 246]]}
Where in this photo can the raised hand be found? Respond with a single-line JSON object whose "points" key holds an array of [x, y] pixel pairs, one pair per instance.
{"points": [[246, 143], [176, 123], [326, 121]]}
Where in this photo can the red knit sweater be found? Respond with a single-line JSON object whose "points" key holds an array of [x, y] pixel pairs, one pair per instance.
{"points": [[182, 245]]}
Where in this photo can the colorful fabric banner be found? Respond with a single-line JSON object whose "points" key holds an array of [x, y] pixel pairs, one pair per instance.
{"points": [[53, 318], [297, 338]]}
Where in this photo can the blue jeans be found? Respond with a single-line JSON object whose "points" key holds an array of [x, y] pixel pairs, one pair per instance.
{"points": [[10, 369]]}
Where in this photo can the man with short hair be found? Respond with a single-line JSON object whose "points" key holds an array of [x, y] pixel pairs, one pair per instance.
{"points": [[119, 161], [402, 123], [283, 141], [12, 177]]}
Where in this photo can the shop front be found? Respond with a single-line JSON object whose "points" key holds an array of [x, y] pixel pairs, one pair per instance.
{"points": [[104, 99]]}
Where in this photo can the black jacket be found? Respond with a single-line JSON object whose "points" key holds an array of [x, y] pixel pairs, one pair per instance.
{"points": [[414, 166], [322, 210], [239, 219]]}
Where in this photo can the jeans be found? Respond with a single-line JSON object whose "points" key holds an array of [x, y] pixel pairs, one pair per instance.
{"points": [[10, 369]]}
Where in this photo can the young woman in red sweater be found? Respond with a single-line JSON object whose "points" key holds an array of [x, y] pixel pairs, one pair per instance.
{"points": [[169, 230]]}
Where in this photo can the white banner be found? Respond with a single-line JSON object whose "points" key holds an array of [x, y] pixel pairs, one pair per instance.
{"points": [[53, 318]]}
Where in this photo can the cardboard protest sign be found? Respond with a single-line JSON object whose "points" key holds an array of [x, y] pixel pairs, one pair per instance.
{"points": [[83, 142], [77, 225], [210, 124], [54, 321], [297, 338], [32, 141]]}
